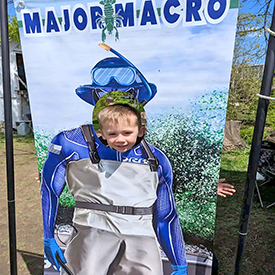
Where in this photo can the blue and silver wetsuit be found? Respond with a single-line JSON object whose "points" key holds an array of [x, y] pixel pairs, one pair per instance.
{"points": [[69, 149]]}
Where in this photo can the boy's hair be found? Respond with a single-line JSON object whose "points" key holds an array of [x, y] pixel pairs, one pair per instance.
{"points": [[112, 113]]}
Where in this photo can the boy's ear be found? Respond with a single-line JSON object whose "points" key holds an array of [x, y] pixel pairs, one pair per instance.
{"points": [[101, 134], [142, 131]]}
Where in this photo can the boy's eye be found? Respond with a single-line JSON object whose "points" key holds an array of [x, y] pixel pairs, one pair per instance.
{"points": [[112, 134], [128, 133]]}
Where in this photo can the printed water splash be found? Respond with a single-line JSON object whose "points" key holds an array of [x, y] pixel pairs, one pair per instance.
{"points": [[42, 141], [207, 115], [192, 140]]}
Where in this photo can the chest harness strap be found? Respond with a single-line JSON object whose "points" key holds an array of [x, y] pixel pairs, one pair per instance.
{"points": [[153, 161], [127, 210], [90, 139]]}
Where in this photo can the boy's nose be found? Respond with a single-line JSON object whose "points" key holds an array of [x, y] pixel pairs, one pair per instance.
{"points": [[120, 138]]}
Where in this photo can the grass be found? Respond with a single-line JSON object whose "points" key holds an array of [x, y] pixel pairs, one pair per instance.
{"points": [[18, 139], [259, 254], [235, 161], [20, 143], [27, 204]]}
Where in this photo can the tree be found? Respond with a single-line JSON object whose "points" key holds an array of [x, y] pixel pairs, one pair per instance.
{"points": [[250, 48], [265, 7], [13, 29], [265, 10], [244, 85]]}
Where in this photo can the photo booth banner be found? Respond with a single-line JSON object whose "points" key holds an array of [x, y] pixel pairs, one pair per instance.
{"points": [[176, 58]]}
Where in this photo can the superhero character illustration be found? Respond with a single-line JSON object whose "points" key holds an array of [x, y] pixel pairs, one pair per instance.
{"points": [[116, 73], [122, 187]]}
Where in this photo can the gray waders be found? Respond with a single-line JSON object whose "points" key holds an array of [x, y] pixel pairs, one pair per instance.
{"points": [[113, 215]]}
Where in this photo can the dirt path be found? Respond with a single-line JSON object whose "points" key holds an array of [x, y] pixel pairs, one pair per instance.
{"points": [[28, 212]]}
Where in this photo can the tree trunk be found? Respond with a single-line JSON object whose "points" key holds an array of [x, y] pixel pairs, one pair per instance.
{"points": [[232, 139]]}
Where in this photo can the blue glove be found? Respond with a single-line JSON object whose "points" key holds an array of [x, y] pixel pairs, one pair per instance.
{"points": [[179, 269], [51, 248]]}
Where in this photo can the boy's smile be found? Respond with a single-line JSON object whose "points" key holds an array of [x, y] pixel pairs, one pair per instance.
{"points": [[122, 136]]}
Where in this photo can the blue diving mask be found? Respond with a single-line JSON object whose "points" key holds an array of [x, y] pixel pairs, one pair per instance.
{"points": [[122, 75]]}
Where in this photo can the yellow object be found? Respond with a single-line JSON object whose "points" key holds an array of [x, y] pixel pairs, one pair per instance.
{"points": [[104, 46]]}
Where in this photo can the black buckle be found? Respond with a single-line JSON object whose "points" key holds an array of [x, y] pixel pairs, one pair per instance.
{"points": [[94, 156], [124, 210], [154, 164]]}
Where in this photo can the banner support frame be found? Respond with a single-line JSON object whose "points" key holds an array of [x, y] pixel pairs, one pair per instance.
{"points": [[256, 147], [8, 133]]}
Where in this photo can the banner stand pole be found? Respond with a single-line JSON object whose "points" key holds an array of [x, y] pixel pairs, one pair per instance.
{"points": [[256, 147], [8, 133]]}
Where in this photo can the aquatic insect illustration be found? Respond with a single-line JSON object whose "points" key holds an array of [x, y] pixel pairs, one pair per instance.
{"points": [[109, 20]]}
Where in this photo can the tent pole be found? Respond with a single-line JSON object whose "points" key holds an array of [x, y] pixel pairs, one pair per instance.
{"points": [[256, 147], [8, 133]]}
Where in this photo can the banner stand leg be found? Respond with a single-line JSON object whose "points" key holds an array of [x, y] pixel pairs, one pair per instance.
{"points": [[256, 147], [8, 133]]}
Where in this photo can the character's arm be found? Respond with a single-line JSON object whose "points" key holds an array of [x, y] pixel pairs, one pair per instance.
{"points": [[52, 184], [166, 221]]}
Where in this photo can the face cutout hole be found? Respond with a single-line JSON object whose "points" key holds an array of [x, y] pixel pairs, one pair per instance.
{"points": [[119, 113]]}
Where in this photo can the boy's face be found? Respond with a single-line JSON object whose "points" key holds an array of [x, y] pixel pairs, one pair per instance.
{"points": [[122, 136]]}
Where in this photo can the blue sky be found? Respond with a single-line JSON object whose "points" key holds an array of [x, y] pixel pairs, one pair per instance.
{"points": [[11, 10], [250, 6], [254, 8]]}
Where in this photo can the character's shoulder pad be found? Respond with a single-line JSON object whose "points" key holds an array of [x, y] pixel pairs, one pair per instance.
{"points": [[75, 136], [69, 136]]}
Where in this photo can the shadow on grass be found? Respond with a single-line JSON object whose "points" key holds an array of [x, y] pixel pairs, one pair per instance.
{"points": [[34, 262], [258, 257]]}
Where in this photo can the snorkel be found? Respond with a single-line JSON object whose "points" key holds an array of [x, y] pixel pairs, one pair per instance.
{"points": [[143, 79]]}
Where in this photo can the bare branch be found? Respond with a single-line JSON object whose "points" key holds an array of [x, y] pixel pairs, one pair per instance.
{"points": [[265, 18]]}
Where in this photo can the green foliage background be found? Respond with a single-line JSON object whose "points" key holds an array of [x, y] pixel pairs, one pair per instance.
{"points": [[245, 84], [248, 63], [13, 29]]}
